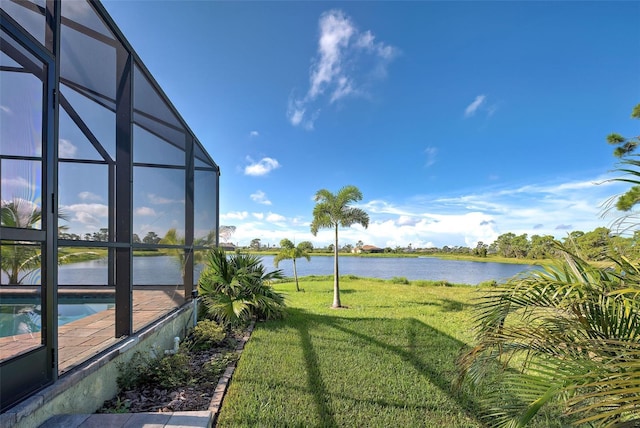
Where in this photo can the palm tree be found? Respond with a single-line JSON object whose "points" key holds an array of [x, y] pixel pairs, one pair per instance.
{"points": [[629, 165], [20, 213], [19, 260], [332, 211], [172, 238], [288, 251], [237, 288]]}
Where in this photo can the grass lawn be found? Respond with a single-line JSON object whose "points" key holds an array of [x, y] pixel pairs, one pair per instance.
{"points": [[386, 361]]}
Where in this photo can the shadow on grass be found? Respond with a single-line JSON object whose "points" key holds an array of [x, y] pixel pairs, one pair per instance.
{"points": [[314, 378], [447, 347], [419, 304], [449, 305], [423, 347], [446, 305]]}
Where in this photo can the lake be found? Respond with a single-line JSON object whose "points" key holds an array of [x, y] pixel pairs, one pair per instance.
{"points": [[412, 268], [147, 270]]}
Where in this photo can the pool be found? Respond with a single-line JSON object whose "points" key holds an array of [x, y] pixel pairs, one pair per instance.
{"points": [[20, 318]]}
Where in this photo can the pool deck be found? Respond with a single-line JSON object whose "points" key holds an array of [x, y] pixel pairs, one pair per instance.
{"points": [[81, 339]]}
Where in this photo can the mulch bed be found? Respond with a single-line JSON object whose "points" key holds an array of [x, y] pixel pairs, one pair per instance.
{"points": [[195, 395]]}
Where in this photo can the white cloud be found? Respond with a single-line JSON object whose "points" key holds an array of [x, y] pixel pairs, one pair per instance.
{"points": [[275, 218], [335, 31], [88, 214], [236, 215], [77, 10], [160, 200], [431, 153], [295, 114], [88, 196], [344, 87], [377, 206], [474, 106], [5, 109], [17, 185], [87, 219], [347, 61], [146, 211], [554, 208], [254, 134], [260, 197], [480, 104], [263, 167], [66, 149], [406, 220], [295, 111], [259, 216]]}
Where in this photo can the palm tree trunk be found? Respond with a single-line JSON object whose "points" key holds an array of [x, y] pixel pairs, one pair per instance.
{"points": [[336, 281], [295, 274]]}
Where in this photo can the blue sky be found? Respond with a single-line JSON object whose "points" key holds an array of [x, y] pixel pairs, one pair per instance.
{"points": [[459, 121]]}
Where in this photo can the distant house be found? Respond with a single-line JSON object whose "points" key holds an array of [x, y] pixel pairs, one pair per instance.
{"points": [[227, 246], [368, 249]]}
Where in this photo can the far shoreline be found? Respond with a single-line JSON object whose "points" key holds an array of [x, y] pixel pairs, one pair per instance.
{"points": [[461, 257]]}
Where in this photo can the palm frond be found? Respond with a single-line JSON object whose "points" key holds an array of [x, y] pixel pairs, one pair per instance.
{"points": [[236, 288], [568, 333]]}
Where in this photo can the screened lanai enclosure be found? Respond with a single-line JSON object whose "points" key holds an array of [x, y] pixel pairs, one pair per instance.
{"points": [[108, 199]]}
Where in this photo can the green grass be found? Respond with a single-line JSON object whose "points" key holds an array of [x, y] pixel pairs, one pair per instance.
{"points": [[381, 362], [387, 360]]}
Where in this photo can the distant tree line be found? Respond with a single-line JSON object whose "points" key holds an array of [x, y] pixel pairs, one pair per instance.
{"points": [[151, 238], [103, 236], [591, 245]]}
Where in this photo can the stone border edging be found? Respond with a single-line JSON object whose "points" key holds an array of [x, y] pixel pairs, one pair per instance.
{"points": [[223, 384]]}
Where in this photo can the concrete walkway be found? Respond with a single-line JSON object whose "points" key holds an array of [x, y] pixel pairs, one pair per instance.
{"points": [[202, 419]]}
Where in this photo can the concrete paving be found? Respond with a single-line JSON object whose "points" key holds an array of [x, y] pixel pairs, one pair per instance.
{"points": [[201, 419]]}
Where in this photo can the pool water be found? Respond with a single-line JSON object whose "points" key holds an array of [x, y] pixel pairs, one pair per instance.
{"points": [[20, 318]]}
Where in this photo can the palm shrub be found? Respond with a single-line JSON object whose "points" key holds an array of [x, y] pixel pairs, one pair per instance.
{"points": [[237, 288], [568, 334]]}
